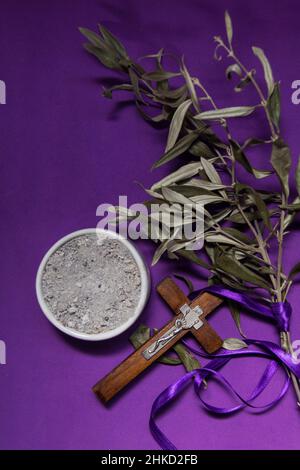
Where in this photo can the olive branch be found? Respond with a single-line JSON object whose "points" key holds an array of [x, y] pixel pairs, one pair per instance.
{"points": [[241, 221]]}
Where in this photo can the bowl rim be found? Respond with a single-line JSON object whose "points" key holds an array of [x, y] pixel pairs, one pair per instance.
{"points": [[144, 295]]}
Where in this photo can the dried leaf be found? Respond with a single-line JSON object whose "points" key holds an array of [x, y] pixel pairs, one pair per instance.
{"points": [[281, 162], [107, 92], [234, 344], [236, 315], [258, 201], [241, 158], [159, 75], [210, 171], [229, 29], [140, 336], [176, 124], [206, 199], [295, 270], [135, 84], [224, 113], [267, 68], [191, 256], [298, 176], [290, 217], [242, 84], [171, 94], [274, 105], [238, 235], [190, 86], [112, 41], [221, 238], [233, 68], [201, 149], [191, 191], [186, 357], [231, 266], [179, 148], [184, 172], [92, 37], [174, 196], [252, 142], [198, 183], [105, 56], [162, 248]]}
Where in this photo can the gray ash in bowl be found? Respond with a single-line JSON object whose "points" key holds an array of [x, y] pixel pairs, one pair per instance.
{"points": [[92, 283]]}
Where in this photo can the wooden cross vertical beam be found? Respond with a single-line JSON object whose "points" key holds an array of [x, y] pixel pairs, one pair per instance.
{"points": [[175, 298]]}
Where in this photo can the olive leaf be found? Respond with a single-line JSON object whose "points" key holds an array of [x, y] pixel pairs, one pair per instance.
{"points": [[221, 238], [234, 344], [238, 235], [176, 123], [258, 201], [159, 75], [295, 207], [211, 172], [237, 260], [252, 142], [236, 315], [295, 270], [186, 357], [230, 265], [163, 247], [191, 191], [233, 68], [274, 105], [190, 86], [241, 158], [201, 149], [107, 92], [92, 37], [242, 84], [173, 95], [290, 216], [175, 196], [184, 172], [298, 176], [205, 184], [108, 50], [224, 113], [140, 336], [191, 256], [179, 148], [105, 56], [281, 162], [206, 199], [229, 29], [267, 68], [112, 41]]}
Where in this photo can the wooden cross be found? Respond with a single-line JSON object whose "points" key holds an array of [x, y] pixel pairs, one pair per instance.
{"points": [[189, 317]]}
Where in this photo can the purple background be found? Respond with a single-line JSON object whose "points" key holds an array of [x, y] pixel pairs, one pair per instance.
{"points": [[64, 150]]}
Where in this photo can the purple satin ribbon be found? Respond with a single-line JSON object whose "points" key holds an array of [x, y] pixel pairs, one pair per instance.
{"points": [[280, 314]]}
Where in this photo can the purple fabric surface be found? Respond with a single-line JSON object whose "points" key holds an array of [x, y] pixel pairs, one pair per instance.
{"points": [[64, 150]]}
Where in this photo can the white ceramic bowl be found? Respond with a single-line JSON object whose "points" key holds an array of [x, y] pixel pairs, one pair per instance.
{"points": [[144, 294]]}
